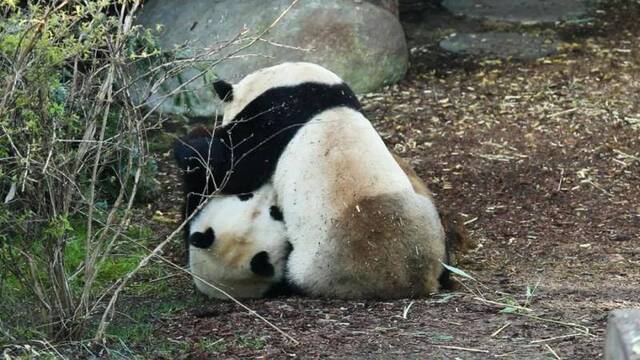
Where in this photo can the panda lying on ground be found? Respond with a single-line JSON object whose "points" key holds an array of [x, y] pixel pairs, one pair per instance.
{"points": [[238, 244], [234, 243], [357, 226]]}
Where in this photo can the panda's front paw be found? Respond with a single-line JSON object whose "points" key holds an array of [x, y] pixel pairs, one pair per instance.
{"points": [[202, 240]]}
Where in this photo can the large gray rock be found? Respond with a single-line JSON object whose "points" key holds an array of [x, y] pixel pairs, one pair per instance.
{"points": [[623, 335], [519, 11], [362, 43], [505, 45], [392, 6]]}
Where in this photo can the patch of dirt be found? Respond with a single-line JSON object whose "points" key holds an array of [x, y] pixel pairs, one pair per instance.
{"points": [[543, 161]]}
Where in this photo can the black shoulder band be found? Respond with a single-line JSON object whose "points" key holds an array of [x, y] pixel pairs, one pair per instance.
{"points": [[258, 135]]}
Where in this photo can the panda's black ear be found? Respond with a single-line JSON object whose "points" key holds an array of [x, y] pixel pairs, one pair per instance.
{"points": [[188, 152], [224, 90], [276, 213]]}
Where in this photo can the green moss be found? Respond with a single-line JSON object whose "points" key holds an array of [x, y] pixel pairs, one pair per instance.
{"points": [[161, 142], [117, 266], [211, 346], [140, 332], [250, 343]]}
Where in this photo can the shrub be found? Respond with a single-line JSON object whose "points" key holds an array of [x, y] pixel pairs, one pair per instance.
{"points": [[73, 155]]}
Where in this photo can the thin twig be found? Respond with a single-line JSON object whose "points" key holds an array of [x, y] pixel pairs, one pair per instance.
{"points": [[583, 329], [462, 348], [502, 304], [561, 178], [564, 112], [49, 346], [556, 338], [552, 351], [164, 277], [495, 333], [405, 311]]}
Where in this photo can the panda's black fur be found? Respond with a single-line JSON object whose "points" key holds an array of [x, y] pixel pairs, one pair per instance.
{"points": [[260, 264], [196, 188], [247, 149], [202, 240], [224, 90]]}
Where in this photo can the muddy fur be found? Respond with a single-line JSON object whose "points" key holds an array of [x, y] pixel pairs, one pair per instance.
{"points": [[458, 240], [385, 249]]}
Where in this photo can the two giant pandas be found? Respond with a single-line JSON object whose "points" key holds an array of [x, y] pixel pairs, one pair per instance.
{"points": [[355, 223]]}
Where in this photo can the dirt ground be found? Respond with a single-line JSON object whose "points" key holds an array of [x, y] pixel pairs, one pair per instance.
{"points": [[542, 159]]}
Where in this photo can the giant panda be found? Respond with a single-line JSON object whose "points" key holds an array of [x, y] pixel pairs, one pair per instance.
{"points": [[236, 247], [358, 228], [239, 245]]}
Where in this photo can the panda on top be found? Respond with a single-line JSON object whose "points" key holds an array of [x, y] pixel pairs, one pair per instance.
{"points": [[357, 226]]}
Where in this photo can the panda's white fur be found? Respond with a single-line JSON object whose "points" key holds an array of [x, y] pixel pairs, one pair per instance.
{"points": [[357, 227], [242, 228], [356, 224]]}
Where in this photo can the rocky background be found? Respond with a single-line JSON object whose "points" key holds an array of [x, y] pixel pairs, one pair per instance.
{"points": [[362, 41]]}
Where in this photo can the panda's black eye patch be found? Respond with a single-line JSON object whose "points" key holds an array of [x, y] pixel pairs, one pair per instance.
{"points": [[245, 197], [260, 264], [202, 240], [275, 213]]}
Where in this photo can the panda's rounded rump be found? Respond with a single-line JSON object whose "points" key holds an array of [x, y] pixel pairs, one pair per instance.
{"points": [[386, 246]]}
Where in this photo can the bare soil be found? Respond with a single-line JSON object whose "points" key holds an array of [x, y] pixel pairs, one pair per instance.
{"points": [[543, 161]]}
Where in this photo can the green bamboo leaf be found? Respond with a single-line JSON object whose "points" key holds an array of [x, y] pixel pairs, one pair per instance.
{"points": [[457, 271]]}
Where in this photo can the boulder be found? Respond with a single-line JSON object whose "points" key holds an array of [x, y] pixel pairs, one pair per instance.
{"points": [[392, 6], [505, 45], [362, 43], [623, 335], [525, 12]]}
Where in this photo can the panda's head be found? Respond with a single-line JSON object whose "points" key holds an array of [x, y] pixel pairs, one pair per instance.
{"points": [[238, 243], [237, 97]]}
